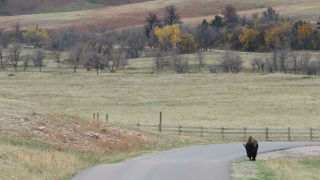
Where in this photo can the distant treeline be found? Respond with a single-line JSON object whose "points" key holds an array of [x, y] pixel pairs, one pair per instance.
{"points": [[166, 39]]}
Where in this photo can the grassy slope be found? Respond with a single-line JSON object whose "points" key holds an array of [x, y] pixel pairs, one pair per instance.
{"points": [[137, 95], [134, 14]]}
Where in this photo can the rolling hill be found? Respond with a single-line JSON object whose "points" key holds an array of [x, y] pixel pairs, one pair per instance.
{"points": [[130, 15], [19, 7]]}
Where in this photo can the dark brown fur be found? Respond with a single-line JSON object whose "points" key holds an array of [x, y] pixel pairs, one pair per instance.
{"points": [[252, 147]]}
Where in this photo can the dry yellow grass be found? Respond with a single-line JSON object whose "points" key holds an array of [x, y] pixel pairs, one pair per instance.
{"points": [[136, 95]]}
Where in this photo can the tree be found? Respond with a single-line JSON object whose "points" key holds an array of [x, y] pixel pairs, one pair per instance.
{"points": [[94, 60], [38, 57], [249, 39], [168, 34], [116, 60], [303, 34], [35, 37], [230, 15], [179, 64], [56, 44], [17, 33], [278, 37], [187, 43], [204, 36], [204, 23], [270, 15], [75, 57], [152, 21], [14, 55], [4, 38], [230, 63], [133, 43], [171, 15], [161, 61], [217, 23], [26, 60], [200, 55], [3, 62]]}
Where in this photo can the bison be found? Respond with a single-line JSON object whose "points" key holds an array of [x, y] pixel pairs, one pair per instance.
{"points": [[251, 148]]}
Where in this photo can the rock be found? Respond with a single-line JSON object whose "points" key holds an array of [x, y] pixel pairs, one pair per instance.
{"points": [[11, 75], [41, 128], [93, 135]]}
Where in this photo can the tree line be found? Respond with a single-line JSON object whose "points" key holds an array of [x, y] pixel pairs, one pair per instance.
{"points": [[166, 39]]}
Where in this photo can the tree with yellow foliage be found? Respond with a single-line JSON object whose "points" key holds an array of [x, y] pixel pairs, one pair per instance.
{"points": [[249, 39], [187, 43], [278, 36], [168, 35], [35, 37]]}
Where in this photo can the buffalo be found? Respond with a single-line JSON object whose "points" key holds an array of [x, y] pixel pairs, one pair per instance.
{"points": [[251, 148]]}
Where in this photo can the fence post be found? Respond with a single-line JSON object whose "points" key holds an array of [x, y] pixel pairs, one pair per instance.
{"points": [[107, 117], [138, 126], [160, 123], [180, 129], [222, 132], [201, 131], [311, 138], [94, 115], [244, 134], [267, 134], [98, 116], [289, 136]]}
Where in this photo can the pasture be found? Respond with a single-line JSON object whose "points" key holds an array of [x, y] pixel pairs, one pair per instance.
{"points": [[137, 95], [131, 15]]}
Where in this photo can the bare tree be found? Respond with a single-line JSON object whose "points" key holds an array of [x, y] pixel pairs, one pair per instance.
{"points": [[115, 61], [270, 15], [4, 38], [283, 56], [26, 59], [38, 57], [231, 63], [75, 57], [293, 62], [160, 61], [152, 21], [171, 15], [200, 55], [179, 64], [3, 62], [95, 60], [309, 66], [56, 44], [258, 64], [133, 43], [14, 55]]}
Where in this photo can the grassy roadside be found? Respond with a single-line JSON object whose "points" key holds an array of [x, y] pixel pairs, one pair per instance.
{"points": [[285, 165], [32, 159]]}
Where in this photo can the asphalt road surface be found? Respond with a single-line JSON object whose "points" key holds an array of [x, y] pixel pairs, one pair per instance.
{"points": [[212, 162]]}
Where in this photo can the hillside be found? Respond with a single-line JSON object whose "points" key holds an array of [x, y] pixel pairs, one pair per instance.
{"points": [[18, 7], [129, 15]]}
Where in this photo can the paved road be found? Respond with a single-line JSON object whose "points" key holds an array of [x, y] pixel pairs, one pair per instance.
{"points": [[212, 162]]}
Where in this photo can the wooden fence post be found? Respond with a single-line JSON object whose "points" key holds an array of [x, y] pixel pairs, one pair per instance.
{"points": [[267, 134], [201, 131], [138, 126], [98, 116], [222, 132], [244, 134], [94, 115], [180, 129], [107, 117], [311, 138], [160, 123], [289, 136]]}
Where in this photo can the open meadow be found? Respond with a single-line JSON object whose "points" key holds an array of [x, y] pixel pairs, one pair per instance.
{"points": [[137, 95]]}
